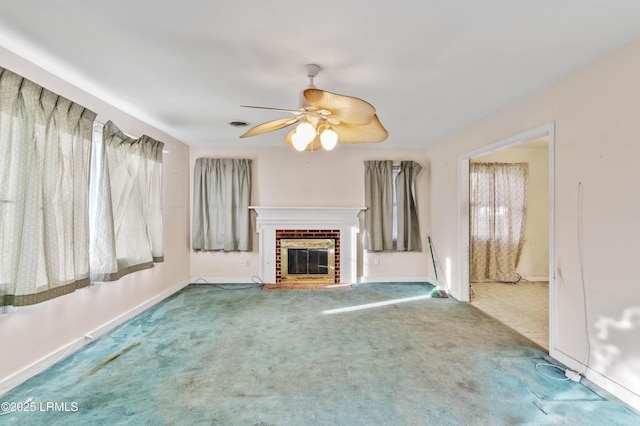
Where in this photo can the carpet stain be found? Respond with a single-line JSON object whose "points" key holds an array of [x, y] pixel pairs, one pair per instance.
{"points": [[468, 386], [514, 421], [113, 358]]}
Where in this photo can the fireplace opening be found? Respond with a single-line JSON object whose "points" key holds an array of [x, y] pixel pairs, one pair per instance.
{"points": [[308, 260]]}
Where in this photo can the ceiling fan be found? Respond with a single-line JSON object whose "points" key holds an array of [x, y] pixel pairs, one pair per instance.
{"points": [[324, 119]]}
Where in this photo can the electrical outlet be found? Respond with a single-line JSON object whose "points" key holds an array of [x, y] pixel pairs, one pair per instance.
{"points": [[376, 260], [244, 262]]}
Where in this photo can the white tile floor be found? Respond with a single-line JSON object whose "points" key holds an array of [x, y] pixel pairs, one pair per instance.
{"points": [[523, 306]]}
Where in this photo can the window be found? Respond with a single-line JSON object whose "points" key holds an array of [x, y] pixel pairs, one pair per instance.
{"points": [[45, 149], [126, 203], [394, 232], [498, 204], [60, 205], [391, 218]]}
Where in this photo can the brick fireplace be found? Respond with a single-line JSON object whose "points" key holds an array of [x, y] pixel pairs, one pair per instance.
{"points": [[341, 224], [309, 235]]}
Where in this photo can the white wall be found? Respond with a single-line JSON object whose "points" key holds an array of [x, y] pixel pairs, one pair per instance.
{"points": [[283, 177], [534, 260], [31, 333], [596, 114]]}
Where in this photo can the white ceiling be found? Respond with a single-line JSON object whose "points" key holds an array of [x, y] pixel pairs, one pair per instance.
{"points": [[430, 67]]}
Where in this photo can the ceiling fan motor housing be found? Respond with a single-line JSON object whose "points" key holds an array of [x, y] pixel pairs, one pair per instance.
{"points": [[312, 70]]}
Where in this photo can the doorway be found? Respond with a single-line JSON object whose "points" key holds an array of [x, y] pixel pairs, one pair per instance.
{"points": [[527, 304]]}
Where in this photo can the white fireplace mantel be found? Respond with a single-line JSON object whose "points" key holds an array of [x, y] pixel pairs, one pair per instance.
{"points": [[344, 219]]}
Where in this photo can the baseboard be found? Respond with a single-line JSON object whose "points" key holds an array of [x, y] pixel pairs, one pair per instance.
{"points": [[622, 393], [361, 280], [256, 280], [536, 278], [396, 279], [54, 357], [225, 280]]}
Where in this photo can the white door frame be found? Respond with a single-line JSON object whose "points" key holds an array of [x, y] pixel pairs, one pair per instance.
{"points": [[462, 292]]}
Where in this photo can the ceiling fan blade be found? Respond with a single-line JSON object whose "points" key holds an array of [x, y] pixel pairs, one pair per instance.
{"points": [[288, 137], [292, 111], [269, 126], [347, 109], [372, 132], [314, 145]]}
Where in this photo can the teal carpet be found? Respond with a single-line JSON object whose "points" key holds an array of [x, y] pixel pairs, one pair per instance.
{"points": [[379, 354]]}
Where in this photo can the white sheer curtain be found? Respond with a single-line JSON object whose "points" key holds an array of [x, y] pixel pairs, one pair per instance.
{"points": [[126, 204], [498, 198], [45, 146], [378, 198], [408, 226], [221, 197]]}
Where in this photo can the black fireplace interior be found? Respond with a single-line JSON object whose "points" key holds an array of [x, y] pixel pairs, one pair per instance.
{"points": [[312, 261]]}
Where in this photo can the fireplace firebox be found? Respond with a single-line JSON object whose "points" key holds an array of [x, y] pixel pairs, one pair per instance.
{"points": [[308, 260]]}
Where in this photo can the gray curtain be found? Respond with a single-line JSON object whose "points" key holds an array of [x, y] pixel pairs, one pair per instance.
{"points": [[45, 147], [126, 204], [221, 197], [408, 226], [378, 197]]}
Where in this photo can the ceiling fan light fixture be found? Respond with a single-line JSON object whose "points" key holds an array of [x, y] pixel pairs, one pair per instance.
{"points": [[306, 131], [299, 142], [329, 139]]}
